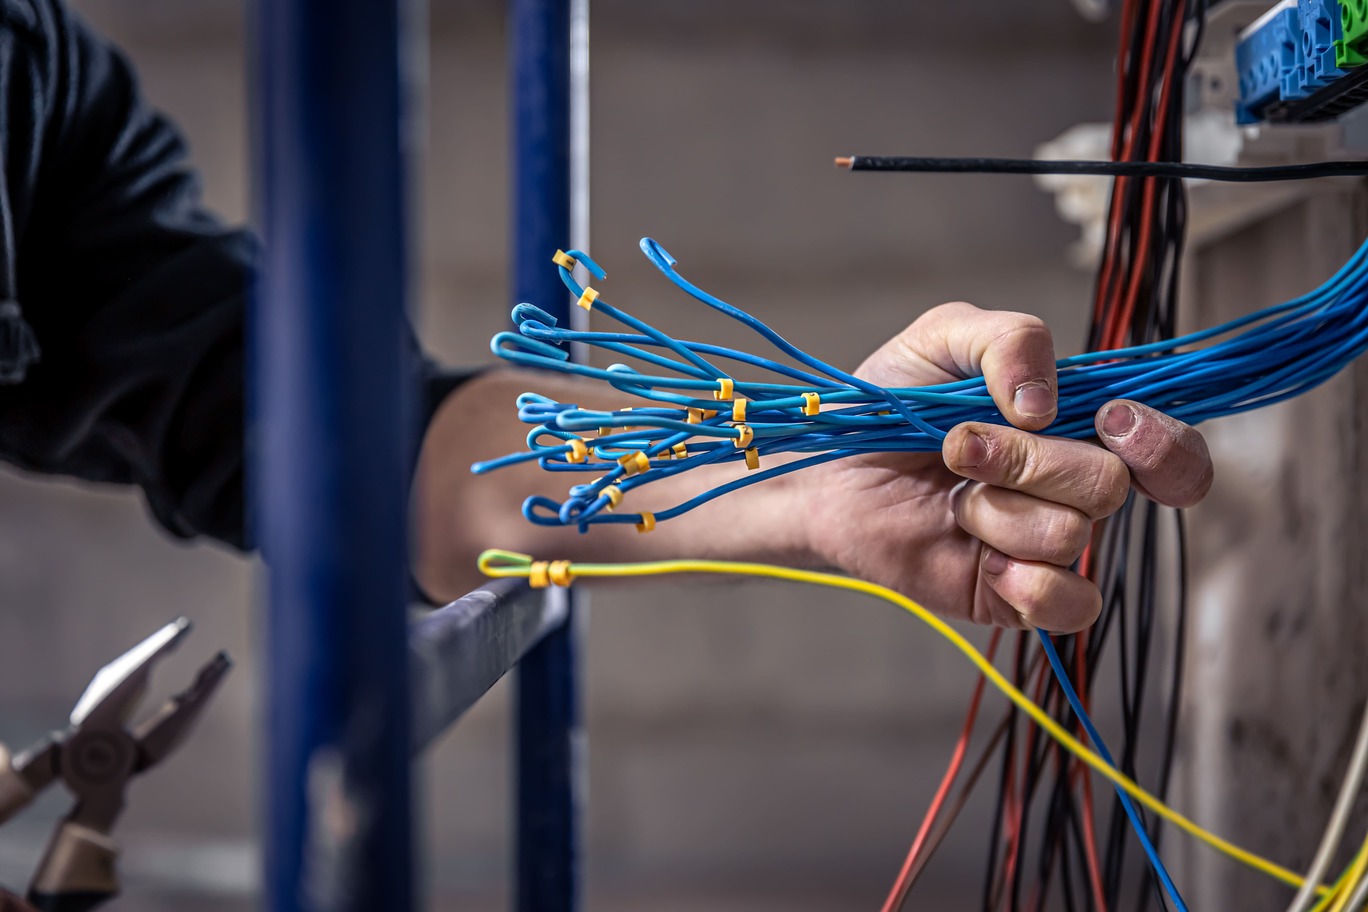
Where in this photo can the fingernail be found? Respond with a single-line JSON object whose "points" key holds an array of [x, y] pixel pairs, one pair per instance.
{"points": [[972, 451], [1118, 420], [1034, 399], [994, 561]]}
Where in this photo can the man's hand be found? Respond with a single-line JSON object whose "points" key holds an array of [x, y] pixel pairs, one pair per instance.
{"points": [[988, 528]]}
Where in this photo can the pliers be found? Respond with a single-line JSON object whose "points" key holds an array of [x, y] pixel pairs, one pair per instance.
{"points": [[96, 756]]}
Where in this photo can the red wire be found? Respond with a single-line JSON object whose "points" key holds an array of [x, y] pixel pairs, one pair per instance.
{"points": [[1115, 277], [1147, 212], [903, 882], [1017, 807], [1107, 293]]}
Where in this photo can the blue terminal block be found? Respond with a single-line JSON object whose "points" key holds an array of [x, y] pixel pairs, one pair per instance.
{"points": [[1264, 57], [1321, 29]]}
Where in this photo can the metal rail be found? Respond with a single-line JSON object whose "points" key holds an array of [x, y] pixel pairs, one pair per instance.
{"points": [[352, 688], [458, 652], [330, 465], [550, 740]]}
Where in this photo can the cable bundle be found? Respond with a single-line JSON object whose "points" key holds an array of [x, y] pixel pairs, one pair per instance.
{"points": [[703, 416], [1136, 302]]}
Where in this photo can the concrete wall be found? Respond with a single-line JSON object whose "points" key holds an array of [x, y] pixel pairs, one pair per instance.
{"points": [[752, 746], [1275, 676]]}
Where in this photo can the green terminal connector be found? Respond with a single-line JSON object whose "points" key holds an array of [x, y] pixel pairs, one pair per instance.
{"points": [[1352, 49]]}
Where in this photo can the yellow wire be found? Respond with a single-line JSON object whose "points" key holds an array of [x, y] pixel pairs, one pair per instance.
{"points": [[504, 564], [1343, 890], [1333, 893]]}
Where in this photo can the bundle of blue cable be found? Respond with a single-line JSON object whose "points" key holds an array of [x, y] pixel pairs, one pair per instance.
{"points": [[704, 416]]}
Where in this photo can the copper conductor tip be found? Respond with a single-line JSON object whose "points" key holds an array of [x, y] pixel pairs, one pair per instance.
{"points": [[845, 161]]}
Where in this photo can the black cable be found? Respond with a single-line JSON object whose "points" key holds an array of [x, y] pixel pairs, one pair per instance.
{"points": [[1008, 752], [1165, 169]]}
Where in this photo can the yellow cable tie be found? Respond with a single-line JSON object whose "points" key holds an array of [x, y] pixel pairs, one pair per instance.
{"points": [[647, 522], [681, 451], [739, 409], [614, 495], [724, 389], [752, 459], [587, 299], [578, 451], [564, 259], [812, 403], [747, 435], [537, 575], [559, 574], [634, 463]]}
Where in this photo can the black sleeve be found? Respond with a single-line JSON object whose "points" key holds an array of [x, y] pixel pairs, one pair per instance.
{"points": [[136, 295]]}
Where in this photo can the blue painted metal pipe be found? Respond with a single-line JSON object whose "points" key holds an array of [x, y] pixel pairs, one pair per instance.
{"points": [[331, 454], [547, 724]]}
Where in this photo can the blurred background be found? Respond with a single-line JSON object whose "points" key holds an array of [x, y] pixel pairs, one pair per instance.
{"points": [[753, 746]]}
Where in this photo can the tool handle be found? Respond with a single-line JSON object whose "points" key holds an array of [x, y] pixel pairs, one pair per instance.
{"points": [[68, 902], [11, 903], [15, 793], [77, 873]]}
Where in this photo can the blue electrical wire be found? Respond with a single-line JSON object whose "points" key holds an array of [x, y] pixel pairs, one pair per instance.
{"points": [[1257, 360], [1136, 823], [822, 414]]}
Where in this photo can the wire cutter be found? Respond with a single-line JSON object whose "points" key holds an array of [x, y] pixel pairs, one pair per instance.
{"points": [[96, 756]]}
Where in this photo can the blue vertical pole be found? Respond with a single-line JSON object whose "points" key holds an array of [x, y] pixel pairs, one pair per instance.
{"points": [[547, 725], [331, 454]]}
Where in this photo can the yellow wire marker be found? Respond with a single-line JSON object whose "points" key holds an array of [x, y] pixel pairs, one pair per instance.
{"points": [[614, 495], [587, 299], [812, 403], [724, 389], [744, 440], [752, 459], [738, 410], [505, 564], [558, 573], [564, 259], [578, 451], [647, 522], [681, 451], [634, 463]]}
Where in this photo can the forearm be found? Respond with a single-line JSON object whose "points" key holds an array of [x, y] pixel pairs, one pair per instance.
{"points": [[457, 514]]}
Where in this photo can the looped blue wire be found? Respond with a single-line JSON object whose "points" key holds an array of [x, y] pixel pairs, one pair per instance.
{"points": [[1259, 359]]}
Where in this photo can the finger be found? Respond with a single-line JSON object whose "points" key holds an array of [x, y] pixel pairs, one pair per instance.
{"points": [[1045, 596], [1013, 352], [1022, 526], [1068, 472], [1168, 460]]}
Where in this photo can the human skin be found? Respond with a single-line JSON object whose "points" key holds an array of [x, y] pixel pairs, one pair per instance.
{"points": [[986, 530]]}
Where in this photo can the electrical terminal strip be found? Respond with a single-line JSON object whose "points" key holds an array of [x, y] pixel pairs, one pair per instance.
{"points": [[1265, 58], [1352, 47]]}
